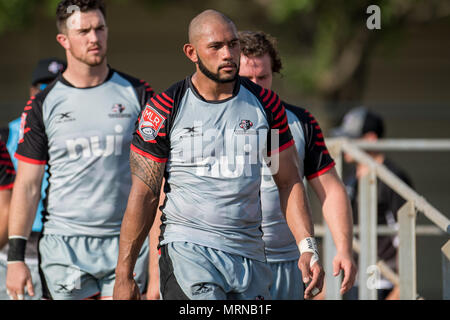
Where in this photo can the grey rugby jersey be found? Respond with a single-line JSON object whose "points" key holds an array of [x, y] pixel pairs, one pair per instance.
{"points": [[279, 242], [84, 135], [213, 151]]}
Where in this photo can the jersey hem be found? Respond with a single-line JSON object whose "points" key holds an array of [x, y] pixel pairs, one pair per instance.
{"points": [[7, 187], [320, 172], [29, 160], [147, 155]]}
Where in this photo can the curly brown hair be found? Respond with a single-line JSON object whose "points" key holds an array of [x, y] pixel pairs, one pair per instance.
{"points": [[257, 44], [64, 10]]}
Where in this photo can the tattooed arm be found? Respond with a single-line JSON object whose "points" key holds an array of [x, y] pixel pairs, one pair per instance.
{"points": [[142, 204]]}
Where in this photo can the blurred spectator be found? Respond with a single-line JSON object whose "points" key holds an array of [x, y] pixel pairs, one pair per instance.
{"points": [[360, 123], [44, 73]]}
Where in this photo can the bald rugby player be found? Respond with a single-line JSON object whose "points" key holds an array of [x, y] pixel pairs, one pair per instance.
{"points": [[208, 136]]}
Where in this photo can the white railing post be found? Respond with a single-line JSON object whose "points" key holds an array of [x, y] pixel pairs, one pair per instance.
{"points": [[367, 216], [407, 251], [446, 271], [333, 284]]}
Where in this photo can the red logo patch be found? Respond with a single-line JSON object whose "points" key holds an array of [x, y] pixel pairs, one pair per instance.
{"points": [[150, 123]]}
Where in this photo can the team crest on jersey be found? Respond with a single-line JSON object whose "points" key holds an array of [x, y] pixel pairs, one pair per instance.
{"points": [[245, 128], [118, 111], [118, 108], [150, 123], [246, 124]]}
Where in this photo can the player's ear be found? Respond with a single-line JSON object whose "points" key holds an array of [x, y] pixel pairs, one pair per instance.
{"points": [[190, 52], [63, 40]]}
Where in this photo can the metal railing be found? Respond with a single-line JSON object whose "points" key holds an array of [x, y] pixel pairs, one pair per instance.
{"points": [[368, 230]]}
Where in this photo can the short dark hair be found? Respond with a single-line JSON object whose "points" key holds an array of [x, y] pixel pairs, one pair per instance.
{"points": [[257, 44], [63, 11]]}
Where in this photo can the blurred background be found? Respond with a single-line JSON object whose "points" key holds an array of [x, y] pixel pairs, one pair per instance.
{"points": [[331, 63]]}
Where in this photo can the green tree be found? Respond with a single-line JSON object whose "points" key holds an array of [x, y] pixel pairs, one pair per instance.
{"points": [[335, 42]]}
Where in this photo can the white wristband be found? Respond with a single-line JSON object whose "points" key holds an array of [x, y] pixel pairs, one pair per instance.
{"points": [[309, 245]]}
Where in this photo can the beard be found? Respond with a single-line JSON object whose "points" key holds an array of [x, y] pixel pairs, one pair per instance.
{"points": [[90, 60], [216, 76]]}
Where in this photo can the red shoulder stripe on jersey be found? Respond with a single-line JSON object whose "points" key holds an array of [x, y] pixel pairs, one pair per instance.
{"points": [[276, 105], [6, 187], [320, 172], [320, 143], [156, 104], [269, 93], [6, 162], [313, 121], [280, 123], [161, 134], [147, 155], [284, 129], [167, 97], [325, 152], [11, 171], [149, 89], [272, 100], [320, 135], [32, 97], [280, 113], [29, 102], [28, 108], [164, 101], [262, 92], [29, 160], [317, 127]]}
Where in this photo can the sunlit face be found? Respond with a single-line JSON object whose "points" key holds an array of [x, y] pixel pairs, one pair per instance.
{"points": [[218, 52], [87, 37], [257, 69]]}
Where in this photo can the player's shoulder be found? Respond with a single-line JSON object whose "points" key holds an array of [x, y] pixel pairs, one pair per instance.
{"points": [[39, 99], [303, 114], [300, 112], [134, 81], [254, 88], [176, 91]]}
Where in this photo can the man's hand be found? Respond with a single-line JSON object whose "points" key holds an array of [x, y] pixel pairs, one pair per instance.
{"points": [[345, 262], [126, 289], [313, 276], [17, 277]]}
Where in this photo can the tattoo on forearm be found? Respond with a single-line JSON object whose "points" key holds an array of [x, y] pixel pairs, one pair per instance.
{"points": [[149, 171]]}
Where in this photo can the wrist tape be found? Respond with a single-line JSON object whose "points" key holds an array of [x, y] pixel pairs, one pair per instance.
{"points": [[16, 251], [309, 245]]}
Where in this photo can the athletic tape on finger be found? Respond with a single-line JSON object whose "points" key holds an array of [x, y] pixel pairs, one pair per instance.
{"points": [[309, 245], [315, 291]]}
